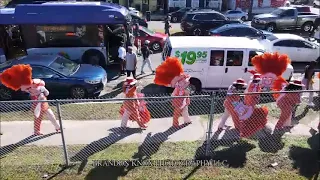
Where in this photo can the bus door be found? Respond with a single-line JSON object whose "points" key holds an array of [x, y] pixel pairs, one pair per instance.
{"points": [[3, 48]]}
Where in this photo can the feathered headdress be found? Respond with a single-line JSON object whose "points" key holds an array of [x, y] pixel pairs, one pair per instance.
{"points": [[271, 63], [16, 76], [168, 70]]}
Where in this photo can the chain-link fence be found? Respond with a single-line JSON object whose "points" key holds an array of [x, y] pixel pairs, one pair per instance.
{"points": [[95, 130]]}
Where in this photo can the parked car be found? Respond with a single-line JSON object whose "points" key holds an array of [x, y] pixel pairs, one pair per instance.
{"points": [[134, 11], [239, 30], [284, 18], [156, 39], [200, 22], [176, 16], [63, 77], [236, 15], [316, 3], [141, 21], [296, 47]]}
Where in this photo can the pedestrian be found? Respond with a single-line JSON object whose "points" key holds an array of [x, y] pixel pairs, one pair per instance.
{"points": [[146, 56], [307, 80], [131, 62], [315, 27], [167, 26], [122, 58]]}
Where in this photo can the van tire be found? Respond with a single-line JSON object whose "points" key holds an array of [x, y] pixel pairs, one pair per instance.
{"points": [[307, 27], [196, 83], [94, 57]]}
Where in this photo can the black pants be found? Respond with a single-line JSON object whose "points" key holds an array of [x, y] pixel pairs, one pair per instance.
{"points": [[167, 32], [133, 73]]}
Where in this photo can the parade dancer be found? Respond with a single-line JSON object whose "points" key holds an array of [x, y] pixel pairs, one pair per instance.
{"points": [[19, 77], [171, 73], [247, 119], [287, 101], [271, 66], [134, 110], [254, 86], [237, 87]]}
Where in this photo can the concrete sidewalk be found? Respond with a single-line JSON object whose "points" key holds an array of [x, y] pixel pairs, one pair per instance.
{"points": [[85, 132]]}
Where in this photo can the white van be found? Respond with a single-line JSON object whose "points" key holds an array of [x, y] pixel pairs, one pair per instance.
{"points": [[215, 62]]}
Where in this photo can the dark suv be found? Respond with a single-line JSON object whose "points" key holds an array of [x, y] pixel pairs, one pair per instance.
{"points": [[200, 22]]}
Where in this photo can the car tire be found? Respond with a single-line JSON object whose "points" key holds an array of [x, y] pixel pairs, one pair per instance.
{"points": [[78, 92], [156, 46], [243, 18], [94, 57], [271, 27], [5, 94], [307, 27], [174, 19], [195, 85], [197, 32]]}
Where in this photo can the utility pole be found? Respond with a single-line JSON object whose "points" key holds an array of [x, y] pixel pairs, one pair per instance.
{"points": [[127, 4], [250, 10]]}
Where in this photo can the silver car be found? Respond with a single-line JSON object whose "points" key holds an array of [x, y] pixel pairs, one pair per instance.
{"points": [[236, 15]]}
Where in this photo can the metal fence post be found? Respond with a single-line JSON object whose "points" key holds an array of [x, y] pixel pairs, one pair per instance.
{"points": [[209, 131], [62, 134]]}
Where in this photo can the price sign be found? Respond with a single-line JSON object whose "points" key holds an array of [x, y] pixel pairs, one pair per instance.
{"points": [[190, 57]]}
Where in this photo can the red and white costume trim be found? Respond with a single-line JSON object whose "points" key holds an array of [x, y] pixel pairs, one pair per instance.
{"points": [[134, 110]]}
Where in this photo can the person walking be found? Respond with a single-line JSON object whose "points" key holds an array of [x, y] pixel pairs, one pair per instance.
{"points": [[122, 58], [307, 80], [167, 26], [146, 56], [131, 62]]}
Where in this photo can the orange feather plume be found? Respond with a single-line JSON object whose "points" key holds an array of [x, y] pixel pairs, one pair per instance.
{"points": [[271, 63], [16, 76], [169, 69], [277, 86]]}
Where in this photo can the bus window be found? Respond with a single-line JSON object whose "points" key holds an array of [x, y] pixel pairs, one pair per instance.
{"points": [[68, 36]]}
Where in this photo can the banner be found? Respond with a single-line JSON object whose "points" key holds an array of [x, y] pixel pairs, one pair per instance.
{"points": [[277, 3]]}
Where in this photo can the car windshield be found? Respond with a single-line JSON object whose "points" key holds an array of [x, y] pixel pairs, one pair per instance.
{"points": [[64, 66], [271, 37], [147, 30], [278, 11]]}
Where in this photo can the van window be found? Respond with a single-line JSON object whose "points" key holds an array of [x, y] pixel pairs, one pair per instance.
{"points": [[253, 54], [217, 58], [234, 58]]}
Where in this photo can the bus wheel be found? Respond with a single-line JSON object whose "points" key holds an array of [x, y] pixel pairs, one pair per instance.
{"points": [[94, 57]]}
